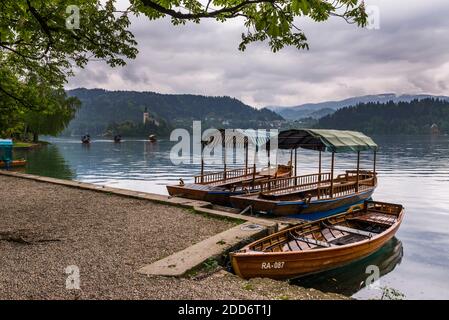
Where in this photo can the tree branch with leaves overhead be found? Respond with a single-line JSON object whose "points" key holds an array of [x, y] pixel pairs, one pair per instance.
{"points": [[38, 52], [272, 20]]}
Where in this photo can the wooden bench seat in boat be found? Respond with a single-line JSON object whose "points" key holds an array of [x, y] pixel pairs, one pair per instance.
{"points": [[311, 241], [353, 231], [376, 217]]}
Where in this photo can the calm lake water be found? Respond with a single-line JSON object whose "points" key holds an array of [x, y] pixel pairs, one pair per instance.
{"points": [[413, 171]]}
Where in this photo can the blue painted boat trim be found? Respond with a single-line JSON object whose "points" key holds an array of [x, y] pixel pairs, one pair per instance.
{"points": [[324, 214]]}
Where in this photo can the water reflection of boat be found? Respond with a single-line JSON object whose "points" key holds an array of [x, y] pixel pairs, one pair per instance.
{"points": [[349, 279], [320, 245]]}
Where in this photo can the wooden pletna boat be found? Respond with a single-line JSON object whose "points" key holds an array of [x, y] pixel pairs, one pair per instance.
{"points": [[6, 155], [13, 163], [314, 196], [85, 139], [320, 245], [217, 187]]}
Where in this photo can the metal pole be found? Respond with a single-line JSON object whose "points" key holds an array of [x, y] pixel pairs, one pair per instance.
{"points": [[358, 171], [332, 174]]}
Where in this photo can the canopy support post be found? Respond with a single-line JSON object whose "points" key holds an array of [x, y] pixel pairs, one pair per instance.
{"points": [[255, 161], [374, 168], [202, 162], [332, 175], [224, 157], [296, 166], [358, 172], [245, 145], [319, 174], [268, 154], [291, 162]]}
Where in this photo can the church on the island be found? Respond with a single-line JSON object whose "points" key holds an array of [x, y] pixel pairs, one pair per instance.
{"points": [[148, 119]]}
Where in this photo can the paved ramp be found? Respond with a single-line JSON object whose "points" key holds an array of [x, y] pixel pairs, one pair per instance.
{"points": [[181, 262]]}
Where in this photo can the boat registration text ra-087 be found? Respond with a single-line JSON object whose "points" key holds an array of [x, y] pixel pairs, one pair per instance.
{"points": [[272, 265]]}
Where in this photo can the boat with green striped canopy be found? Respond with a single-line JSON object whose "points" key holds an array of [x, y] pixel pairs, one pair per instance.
{"points": [[318, 195]]}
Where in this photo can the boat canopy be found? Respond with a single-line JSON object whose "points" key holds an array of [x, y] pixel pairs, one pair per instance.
{"points": [[237, 137], [338, 141]]}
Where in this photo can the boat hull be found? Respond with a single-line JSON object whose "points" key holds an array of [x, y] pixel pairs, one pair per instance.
{"points": [[288, 265], [219, 197], [14, 163], [309, 211]]}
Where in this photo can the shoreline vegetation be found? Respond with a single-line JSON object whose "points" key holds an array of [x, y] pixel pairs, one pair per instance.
{"points": [[423, 117], [108, 238], [28, 145]]}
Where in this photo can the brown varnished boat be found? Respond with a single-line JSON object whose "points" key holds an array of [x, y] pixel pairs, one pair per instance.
{"points": [[310, 197], [320, 245], [217, 187], [14, 163]]}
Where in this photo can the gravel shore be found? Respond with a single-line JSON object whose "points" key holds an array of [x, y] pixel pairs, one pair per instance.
{"points": [[45, 228]]}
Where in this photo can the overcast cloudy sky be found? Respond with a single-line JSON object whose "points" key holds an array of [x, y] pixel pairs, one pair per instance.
{"points": [[408, 54]]}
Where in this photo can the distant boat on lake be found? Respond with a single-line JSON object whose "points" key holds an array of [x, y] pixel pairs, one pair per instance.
{"points": [[152, 138], [85, 139]]}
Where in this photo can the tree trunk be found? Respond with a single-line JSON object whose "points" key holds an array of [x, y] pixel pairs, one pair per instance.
{"points": [[35, 137]]}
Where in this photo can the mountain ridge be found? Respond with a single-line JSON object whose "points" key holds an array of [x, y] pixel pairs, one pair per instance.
{"points": [[102, 108], [306, 110]]}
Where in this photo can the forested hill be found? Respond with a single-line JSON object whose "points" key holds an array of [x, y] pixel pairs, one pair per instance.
{"points": [[101, 108], [414, 117]]}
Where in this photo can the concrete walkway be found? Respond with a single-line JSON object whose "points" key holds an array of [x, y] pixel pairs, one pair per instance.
{"points": [[183, 261]]}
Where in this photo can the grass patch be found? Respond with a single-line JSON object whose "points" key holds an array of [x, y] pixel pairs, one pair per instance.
{"points": [[248, 286], [210, 265], [207, 267], [20, 144], [24, 144]]}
